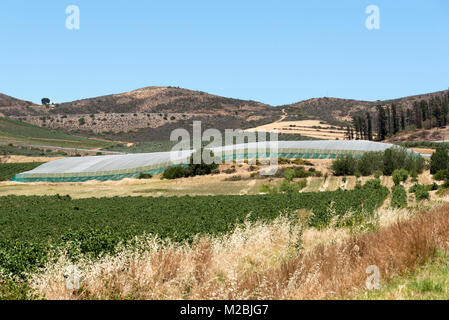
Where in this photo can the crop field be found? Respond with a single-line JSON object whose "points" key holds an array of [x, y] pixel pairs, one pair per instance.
{"points": [[8, 170], [31, 226]]}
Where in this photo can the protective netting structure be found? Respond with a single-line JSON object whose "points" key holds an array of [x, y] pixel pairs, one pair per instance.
{"points": [[118, 167]]}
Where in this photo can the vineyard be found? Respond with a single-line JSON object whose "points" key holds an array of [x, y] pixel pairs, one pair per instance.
{"points": [[31, 226], [8, 170]]}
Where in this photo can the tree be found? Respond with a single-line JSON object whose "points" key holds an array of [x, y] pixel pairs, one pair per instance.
{"points": [[445, 110], [45, 101], [395, 119], [402, 119], [439, 159], [418, 115], [370, 126], [382, 123], [424, 110]]}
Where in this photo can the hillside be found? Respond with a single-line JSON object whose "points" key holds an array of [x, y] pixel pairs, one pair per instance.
{"points": [[13, 106], [146, 114], [339, 111], [16, 132], [152, 113]]}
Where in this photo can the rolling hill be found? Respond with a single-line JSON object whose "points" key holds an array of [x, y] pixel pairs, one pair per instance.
{"points": [[20, 133], [152, 113], [145, 114], [339, 111]]}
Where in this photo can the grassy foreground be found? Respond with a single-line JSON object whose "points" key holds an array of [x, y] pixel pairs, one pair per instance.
{"points": [[427, 282]]}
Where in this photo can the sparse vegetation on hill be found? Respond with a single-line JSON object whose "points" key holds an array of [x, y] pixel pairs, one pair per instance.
{"points": [[150, 114], [16, 132]]}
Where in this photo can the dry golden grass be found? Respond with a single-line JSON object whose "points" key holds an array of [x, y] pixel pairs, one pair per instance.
{"points": [[310, 128], [279, 260]]}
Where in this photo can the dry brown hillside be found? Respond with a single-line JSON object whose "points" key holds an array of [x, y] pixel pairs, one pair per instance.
{"points": [[149, 113], [13, 106], [339, 111]]}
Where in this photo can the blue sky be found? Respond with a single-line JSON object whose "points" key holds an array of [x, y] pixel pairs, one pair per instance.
{"points": [[277, 52]]}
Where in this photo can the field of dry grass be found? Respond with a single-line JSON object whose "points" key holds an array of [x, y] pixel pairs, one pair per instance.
{"points": [[310, 128]]}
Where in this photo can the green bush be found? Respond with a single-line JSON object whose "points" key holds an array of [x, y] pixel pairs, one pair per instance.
{"points": [[145, 176], [370, 162], [400, 158], [421, 192], [174, 173], [373, 184], [289, 174], [378, 174], [400, 176], [193, 169], [378, 162], [344, 166], [441, 175], [399, 197], [439, 159], [266, 188]]}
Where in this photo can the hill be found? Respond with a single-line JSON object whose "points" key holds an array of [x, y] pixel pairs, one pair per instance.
{"points": [[152, 113], [13, 106], [146, 114], [340, 111], [16, 132]]}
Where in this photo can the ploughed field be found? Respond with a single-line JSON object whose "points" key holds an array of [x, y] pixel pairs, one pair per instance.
{"points": [[32, 227]]}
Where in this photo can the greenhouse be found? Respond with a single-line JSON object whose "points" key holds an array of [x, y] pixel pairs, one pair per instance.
{"points": [[117, 167]]}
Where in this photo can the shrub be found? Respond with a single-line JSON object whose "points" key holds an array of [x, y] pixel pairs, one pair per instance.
{"points": [[289, 174], [265, 188], [174, 173], [234, 178], [295, 187], [400, 176], [400, 158], [399, 197], [344, 166], [420, 191], [378, 174], [441, 175], [439, 159], [145, 176], [193, 169], [370, 162], [372, 184], [230, 170]]}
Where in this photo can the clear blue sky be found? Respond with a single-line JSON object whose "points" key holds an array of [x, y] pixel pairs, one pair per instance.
{"points": [[276, 52]]}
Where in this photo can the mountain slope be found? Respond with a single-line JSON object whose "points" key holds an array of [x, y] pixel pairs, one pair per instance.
{"points": [[13, 106], [152, 113], [339, 111], [16, 132], [147, 114]]}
